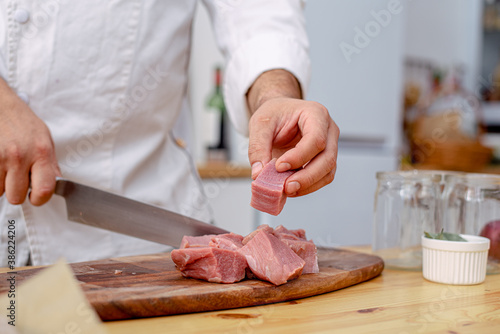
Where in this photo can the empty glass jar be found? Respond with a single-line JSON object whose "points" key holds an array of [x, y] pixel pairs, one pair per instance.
{"points": [[407, 203], [470, 202]]}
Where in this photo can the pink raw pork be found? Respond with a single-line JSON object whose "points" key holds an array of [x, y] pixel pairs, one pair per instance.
{"points": [[231, 241], [283, 233], [296, 240], [271, 260], [307, 251], [268, 189], [264, 227], [211, 264], [200, 241]]}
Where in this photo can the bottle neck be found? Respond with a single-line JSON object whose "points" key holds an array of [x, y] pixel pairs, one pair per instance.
{"points": [[217, 79]]}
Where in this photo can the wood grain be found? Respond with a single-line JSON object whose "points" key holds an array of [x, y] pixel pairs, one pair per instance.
{"points": [[397, 301], [149, 285]]}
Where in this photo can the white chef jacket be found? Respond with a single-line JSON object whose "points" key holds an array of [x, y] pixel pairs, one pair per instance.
{"points": [[109, 78]]}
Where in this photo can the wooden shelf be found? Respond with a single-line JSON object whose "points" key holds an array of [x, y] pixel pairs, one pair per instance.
{"points": [[224, 170]]}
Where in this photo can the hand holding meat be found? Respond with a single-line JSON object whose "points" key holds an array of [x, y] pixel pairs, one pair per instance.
{"points": [[26, 151], [297, 132]]}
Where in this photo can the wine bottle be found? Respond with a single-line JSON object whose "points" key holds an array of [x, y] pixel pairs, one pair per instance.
{"points": [[215, 102]]}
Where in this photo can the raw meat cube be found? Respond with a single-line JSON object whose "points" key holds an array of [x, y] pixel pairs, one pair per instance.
{"points": [[283, 233], [200, 241], [267, 190], [296, 240], [231, 241], [275, 255], [264, 227], [307, 251], [300, 233], [210, 264], [271, 260]]}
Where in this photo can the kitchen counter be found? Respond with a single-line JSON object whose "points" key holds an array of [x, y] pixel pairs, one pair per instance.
{"points": [[394, 302]]}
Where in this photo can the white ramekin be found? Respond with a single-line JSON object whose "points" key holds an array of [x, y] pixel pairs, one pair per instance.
{"points": [[455, 262]]}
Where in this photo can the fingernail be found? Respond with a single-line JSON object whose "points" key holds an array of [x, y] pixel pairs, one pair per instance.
{"points": [[283, 167], [256, 168], [292, 187]]}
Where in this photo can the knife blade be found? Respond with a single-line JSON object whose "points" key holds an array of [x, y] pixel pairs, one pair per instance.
{"points": [[98, 208]]}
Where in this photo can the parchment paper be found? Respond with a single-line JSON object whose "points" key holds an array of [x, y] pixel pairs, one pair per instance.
{"points": [[51, 302]]}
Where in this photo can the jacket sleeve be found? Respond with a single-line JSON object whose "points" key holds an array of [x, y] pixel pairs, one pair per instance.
{"points": [[254, 37]]}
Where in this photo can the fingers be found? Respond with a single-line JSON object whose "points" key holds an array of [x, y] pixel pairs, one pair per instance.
{"points": [[43, 173], [28, 158], [319, 172], [302, 134], [261, 135], [314, 126], [2, 182], [16, 178], [43, 182], [327, 179]]}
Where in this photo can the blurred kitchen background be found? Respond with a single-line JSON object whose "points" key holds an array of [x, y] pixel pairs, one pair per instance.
{"points": [[411, 84]]}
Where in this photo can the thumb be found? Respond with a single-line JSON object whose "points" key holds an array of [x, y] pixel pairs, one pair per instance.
{"points": [[260, 140]]}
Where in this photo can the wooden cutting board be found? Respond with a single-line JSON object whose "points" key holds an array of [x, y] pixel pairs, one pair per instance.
{"points": [[149, 285]]}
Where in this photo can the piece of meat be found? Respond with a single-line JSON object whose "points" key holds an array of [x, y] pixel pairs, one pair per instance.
{"points": [[210, 264], [267, 190], [300, 233], [296, 240], [271, 260], [283, 232], [276, 255], [264, 227], [199, 241], [307, 251], [231, 241]]}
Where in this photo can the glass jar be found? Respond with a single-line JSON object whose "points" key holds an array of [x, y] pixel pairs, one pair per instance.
{"points": [[406, 204], [470, 202]]}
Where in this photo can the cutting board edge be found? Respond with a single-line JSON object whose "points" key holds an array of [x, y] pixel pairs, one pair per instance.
{"points": [[357, 275]]}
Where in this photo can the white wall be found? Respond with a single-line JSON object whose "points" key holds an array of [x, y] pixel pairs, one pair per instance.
{"points": [[443, 31], [205, 56], [363, 89], [446, 32], [229, 198]]}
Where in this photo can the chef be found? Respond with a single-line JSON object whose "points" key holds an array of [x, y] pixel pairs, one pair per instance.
{"points": [[95, 92]]}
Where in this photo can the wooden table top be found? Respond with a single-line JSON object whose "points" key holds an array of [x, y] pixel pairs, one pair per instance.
{"points": [[394, 302]]}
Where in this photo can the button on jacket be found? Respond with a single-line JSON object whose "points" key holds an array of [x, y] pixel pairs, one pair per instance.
{"points": [[109, 78]]}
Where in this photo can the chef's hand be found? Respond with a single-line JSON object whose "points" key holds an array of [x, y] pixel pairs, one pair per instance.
{"points": [[26, 152], [297, 132]]}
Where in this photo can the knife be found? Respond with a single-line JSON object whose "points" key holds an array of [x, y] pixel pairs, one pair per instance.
{"points": [[98, 208]]}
